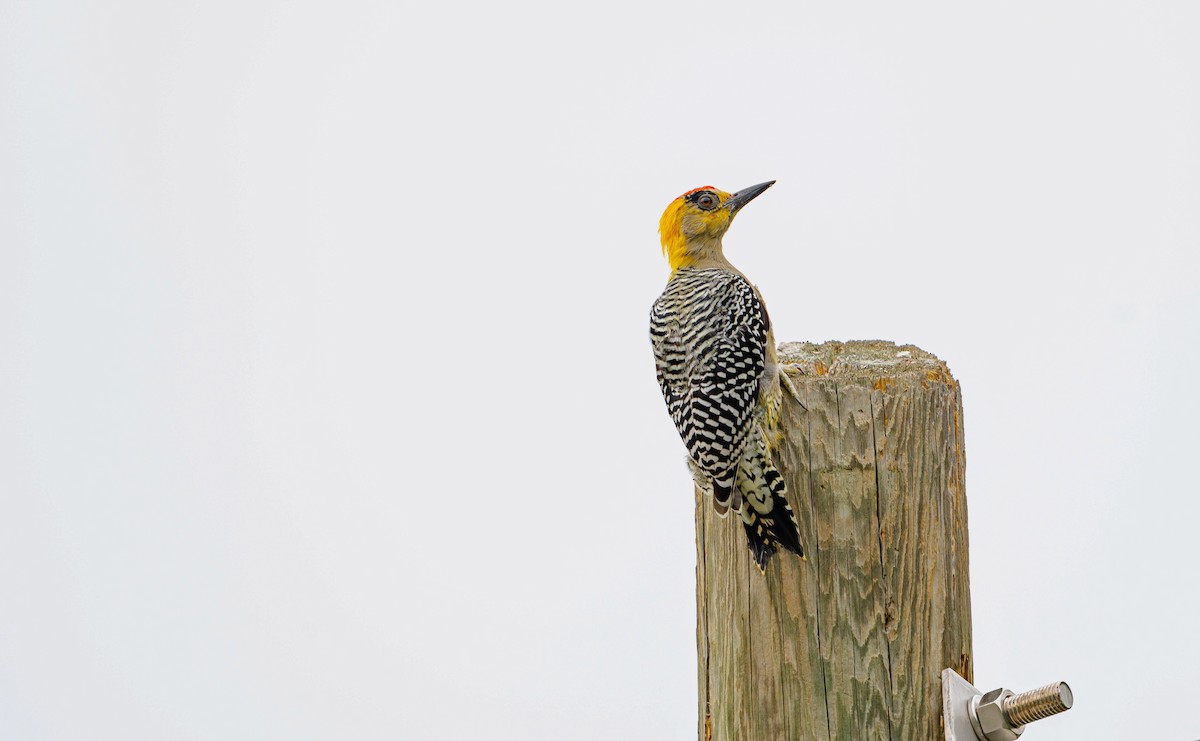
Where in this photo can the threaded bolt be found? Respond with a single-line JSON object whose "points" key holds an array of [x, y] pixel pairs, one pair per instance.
{"points": [[1037, 704]]}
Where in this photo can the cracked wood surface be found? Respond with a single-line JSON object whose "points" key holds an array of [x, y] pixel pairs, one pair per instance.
{"points": [[850, 643]]}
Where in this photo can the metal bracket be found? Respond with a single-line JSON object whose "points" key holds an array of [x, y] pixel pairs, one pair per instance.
{"points": [[957, 696]]}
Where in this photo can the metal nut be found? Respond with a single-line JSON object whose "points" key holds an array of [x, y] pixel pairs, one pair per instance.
{"points": [[992, 722]]}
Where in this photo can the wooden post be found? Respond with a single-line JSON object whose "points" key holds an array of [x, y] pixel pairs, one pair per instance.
{"points": [[850, 643]]}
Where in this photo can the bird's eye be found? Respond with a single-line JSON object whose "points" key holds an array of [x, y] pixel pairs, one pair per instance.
{"points": [[706, 201]]}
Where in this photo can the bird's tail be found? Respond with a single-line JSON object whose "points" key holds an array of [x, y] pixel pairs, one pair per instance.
{"points": [[766, 514]]}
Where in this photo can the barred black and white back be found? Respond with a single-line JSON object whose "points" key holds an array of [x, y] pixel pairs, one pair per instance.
{"points": [[710, 333]]}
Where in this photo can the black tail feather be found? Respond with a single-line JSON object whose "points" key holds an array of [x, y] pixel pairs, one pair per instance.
{"points": [[765, 532], [761, 547]]}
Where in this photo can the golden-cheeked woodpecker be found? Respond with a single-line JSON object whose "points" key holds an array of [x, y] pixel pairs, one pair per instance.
{"points": [[715, 355]]}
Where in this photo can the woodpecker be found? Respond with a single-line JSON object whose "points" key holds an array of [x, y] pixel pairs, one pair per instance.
{"points": [[715, 356]]}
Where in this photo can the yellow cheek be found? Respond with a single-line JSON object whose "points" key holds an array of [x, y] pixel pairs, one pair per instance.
{"points": [[710, 223]]}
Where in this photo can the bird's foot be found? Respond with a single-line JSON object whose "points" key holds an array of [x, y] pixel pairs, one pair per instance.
{"points": [[788, 386]]}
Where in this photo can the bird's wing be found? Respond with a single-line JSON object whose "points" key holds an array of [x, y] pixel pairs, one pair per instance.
{"points": [[709, 367]]}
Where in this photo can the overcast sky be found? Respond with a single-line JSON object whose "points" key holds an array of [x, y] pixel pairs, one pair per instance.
{"points": [[327, 408]]}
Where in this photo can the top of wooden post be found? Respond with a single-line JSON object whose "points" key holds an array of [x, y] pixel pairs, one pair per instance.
{"points": [[864, 358]]}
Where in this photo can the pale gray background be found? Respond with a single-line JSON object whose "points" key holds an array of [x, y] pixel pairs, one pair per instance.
{"points": [[326, 404]]}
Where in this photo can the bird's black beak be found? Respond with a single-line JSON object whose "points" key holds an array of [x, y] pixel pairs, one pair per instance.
{"points": [[745, 195]]}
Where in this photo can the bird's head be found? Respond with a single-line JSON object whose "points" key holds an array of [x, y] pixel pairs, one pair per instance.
{"points": [[693, 224]]}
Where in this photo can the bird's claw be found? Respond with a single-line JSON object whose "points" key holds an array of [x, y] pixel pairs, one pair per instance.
{"points": [[788, 386]]}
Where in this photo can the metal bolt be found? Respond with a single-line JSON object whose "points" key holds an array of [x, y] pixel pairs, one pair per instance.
{"points": [[1037, 704], [1000, 715], [987, 716]]}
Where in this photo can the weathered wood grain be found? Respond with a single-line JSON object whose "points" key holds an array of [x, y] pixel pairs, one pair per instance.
{"points": [[849, 643]]}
